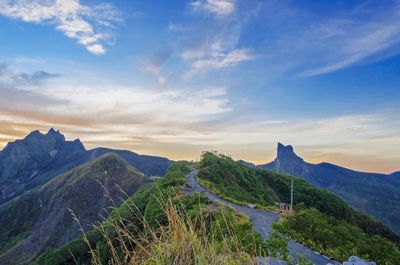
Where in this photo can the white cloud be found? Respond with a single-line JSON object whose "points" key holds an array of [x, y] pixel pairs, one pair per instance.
{"points": [[212, 44], [87, 25], [217, 54], [353, 41], [223, 60], [309, 44], [124, 105], [217, 7], [96, 49]]}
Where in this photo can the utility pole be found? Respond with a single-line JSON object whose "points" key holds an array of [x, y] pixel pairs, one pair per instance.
{"points": [[291, 196]]}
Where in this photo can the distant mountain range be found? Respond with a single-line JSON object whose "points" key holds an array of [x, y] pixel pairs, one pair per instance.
{"points": [[44, 176], [34, 160], [41, 217], [377, 194]]}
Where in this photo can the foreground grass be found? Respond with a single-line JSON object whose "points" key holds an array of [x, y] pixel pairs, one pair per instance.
{"points": [[161, 224]]}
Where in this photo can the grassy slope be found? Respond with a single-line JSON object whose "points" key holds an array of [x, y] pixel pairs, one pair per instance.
{"points": [[261, 187], [19, 217], [143, 218]]}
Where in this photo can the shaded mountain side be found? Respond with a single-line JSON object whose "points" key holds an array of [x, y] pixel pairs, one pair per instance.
{"points": [[150, 165], [377, 194], [35, 159], [396, 174], [32, 161], [40, 218], [395, 177]]}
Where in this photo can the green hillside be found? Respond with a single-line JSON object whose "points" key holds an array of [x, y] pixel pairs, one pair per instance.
{"points": [[160, 224], [41, 218], [246, 185]]}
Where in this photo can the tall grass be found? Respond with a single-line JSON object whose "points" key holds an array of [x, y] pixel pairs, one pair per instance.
{"points": [[187, 238]]}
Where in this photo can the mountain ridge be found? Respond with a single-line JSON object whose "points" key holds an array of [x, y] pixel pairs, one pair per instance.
{"points": [[34, 160], [41, 218], [374, 193]]}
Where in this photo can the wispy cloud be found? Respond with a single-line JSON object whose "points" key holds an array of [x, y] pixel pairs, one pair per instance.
{"points": [[222, 60], [353, 41], [217, 7], [88, 25], [180, 123], [310, 44], [11, 79], [14, 97], [215, 50], [154, 65], [137, 108]]}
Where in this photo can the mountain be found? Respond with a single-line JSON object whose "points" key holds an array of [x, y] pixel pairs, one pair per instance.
{"points": [[32, 161], [41, 219], [395, 176], [245, 163], [377, 194], [35, 159], [320, 219], [181, 227]]}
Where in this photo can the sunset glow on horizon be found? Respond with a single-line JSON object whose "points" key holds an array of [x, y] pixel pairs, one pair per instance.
{"points": [[226, 75]]}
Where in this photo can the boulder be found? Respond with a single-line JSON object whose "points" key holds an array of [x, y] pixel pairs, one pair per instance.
{"points": [[354, 260]]}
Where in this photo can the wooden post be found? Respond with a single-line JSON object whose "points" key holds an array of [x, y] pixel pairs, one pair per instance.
{"points": [[291, 196]]}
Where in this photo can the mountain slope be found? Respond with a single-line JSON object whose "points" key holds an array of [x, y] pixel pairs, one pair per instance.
{"points": [[35, 159], [40, 218], [171, 226], [32, 161], [376, 194], [337, 229]]}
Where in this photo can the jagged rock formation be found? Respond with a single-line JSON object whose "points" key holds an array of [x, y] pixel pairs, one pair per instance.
{"points": [[377, 194], [41, 218], [32, 161]]}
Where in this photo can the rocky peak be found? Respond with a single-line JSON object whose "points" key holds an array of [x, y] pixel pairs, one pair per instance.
{"points": [[55, 134], [287, 154], [288, 162], [33, 134], [31, 159]]}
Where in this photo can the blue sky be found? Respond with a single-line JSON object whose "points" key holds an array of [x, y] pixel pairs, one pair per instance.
{"points": [[175, 78]]}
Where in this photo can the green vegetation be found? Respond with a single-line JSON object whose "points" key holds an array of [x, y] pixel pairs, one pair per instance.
{"points": [[234, 181], [246, 185], [28, 218], [17, 219], [337, 238], [161, 225]]}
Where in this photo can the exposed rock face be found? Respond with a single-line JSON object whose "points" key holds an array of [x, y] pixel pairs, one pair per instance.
{"points": [[41, 218], [353, 260], [34, 160], [30, 162], [377, 194], [288, 162]]}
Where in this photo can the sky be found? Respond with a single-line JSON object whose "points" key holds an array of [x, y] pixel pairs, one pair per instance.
{"points": [[175, 78]]}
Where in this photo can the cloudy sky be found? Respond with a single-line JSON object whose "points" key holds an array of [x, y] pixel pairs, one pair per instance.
{"points": [[175, 78]]}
